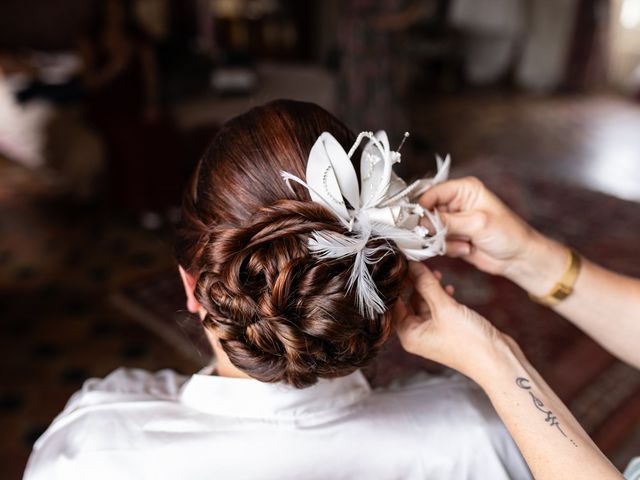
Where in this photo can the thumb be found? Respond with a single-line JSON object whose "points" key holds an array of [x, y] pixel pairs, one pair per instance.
{"points": [[428, 286]]}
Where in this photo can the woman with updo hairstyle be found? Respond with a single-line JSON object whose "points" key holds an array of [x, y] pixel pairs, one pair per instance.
{"points": [[280, 314], [285, 397]]}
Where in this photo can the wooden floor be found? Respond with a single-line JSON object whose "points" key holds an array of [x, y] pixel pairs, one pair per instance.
{"points": [[591, 141]]}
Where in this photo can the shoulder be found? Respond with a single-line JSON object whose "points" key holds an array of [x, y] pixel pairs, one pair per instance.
{"points": [[451, 419], [126, 384], [434, 394], [450, 401], [105, 415], [137, 381]]}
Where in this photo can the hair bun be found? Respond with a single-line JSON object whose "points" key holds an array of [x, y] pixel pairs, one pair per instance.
{"points": [[282, 314]]}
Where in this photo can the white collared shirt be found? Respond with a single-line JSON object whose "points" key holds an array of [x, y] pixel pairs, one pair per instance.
{"points": [[137, 425]]}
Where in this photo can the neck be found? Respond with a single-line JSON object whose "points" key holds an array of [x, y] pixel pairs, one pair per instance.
{"points": [[224, 367]]}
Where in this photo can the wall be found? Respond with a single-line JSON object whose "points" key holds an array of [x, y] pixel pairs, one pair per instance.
{"points": [[625, 43]]}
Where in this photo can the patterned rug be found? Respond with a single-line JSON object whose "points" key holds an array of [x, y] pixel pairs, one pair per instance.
{"points": [[601, 391]]}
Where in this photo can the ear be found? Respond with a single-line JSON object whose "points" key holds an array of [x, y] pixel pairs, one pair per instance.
{"points": [[189, 284]]}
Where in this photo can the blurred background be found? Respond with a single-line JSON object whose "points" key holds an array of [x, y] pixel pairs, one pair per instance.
{"points": [[106, 105]]}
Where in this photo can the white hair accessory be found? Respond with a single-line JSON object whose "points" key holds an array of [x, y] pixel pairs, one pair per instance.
{"points": [[384, 206]]}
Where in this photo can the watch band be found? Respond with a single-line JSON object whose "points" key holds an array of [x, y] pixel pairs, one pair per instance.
{"points": [[564, 287]]}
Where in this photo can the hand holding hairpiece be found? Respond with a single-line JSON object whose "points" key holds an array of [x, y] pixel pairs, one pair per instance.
{"points": [[383, 206]]}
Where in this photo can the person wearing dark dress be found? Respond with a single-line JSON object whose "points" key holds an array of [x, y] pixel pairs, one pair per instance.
{"points": [[123, 103], [370, 86]]}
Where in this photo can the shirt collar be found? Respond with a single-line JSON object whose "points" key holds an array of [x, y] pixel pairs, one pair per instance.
{"points": [[248, 398]]}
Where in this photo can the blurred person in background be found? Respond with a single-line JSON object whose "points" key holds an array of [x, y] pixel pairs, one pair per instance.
{"points": [[41, 126], [123, 102], [21, 126], [372, 83]]}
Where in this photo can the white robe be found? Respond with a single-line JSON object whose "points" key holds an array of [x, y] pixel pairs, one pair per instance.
{"points": [[138, 425]]}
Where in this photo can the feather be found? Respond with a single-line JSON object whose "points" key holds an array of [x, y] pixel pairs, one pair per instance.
{"points": [[327, 244], [368, 299], [443, 169], [421, 254], [413, 245], [436, 221], [396, 234]]}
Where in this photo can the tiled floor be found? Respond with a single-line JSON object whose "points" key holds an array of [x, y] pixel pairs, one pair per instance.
{"points": [[58, 264]]}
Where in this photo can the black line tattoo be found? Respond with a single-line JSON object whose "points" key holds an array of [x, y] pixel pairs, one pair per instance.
{"points": [[550, 418]]}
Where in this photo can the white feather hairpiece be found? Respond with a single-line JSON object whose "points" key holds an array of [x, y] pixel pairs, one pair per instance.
{"points": [[382, 206]]}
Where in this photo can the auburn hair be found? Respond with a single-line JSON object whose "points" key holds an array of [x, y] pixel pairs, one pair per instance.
{"points": [[280, 313]]}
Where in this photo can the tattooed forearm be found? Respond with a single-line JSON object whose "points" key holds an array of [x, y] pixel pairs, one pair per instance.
{"points": [[550, 418]]}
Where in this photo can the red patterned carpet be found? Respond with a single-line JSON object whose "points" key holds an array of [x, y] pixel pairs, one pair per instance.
{"points": [[602, 392]]}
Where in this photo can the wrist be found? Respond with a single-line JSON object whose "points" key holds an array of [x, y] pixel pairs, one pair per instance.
{"points": [[504, 360], [542, 263]]}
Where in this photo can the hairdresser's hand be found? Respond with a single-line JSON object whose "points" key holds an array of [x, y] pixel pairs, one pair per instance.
{"points": [[486, 233], [435, 326]]}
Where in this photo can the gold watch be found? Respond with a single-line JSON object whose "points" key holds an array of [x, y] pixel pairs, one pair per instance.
{"points": [[564, 287]]}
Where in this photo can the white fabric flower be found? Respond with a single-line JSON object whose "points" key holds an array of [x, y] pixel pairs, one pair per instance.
{"points": [[381, 206]]}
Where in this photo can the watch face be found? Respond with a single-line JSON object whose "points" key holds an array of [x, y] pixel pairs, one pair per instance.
{"points": [[562, 292], [564, 287]]}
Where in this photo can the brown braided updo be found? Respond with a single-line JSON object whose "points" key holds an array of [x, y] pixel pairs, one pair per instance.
{"points": [[280, 313]]}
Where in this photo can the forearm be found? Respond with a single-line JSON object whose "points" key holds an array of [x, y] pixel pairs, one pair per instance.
{"points": [[550, 439], [605, 305]]}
